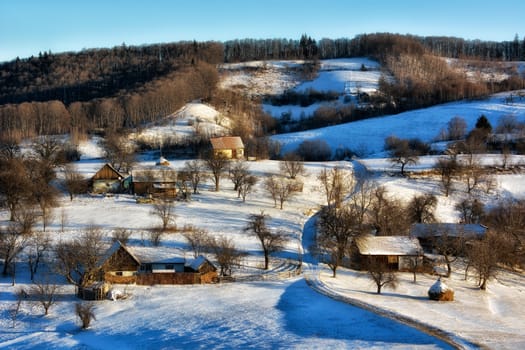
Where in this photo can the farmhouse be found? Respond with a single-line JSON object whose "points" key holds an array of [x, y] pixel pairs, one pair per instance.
{"points": [[396, 252], [154, 265], [430, 234], [107, 180], [156, 181], [229, 146]]}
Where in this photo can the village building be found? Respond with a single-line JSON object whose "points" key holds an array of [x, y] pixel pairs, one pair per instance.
{"points": [[430, 234], [396, 252], [156, 181], [107, 180], [154, 265], [230, 147]]}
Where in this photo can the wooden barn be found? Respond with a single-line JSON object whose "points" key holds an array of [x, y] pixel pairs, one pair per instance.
{"points": [[229, 146], [107, 180], [157, 181], [430, 234], [154, 265], [396, 252]]}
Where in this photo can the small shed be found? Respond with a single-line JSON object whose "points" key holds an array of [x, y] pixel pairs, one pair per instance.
{"points": [[107, 180], [396, 252], [231, 147]]}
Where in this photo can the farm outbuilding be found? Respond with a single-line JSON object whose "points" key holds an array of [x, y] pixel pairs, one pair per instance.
{"points": [[156, 181], [154, 265], [430, 234], [107, 180], [396, 252]]}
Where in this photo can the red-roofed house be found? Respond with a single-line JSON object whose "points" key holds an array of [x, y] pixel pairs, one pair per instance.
{"points": [[229, 146]]}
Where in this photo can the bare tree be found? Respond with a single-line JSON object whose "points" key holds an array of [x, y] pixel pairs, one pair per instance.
{"points": [[449, 245], [121, 235], [21, 295], [401, 153], [280, 189], [217, 164], [337, 227], [238, 171], [38, 245], [457, 128], [9, 147], [471, 210], [388, 214], [49, 149], [421, 208], [486, 255], [337, 183], [246, 187], [12, 242], [164, 208], [447, 168], [270, 241], [120, 153], [226, 254], [155, 236], [195, 170], [78, 259], [15, 187], [85, 312], [292, 165], [74, 182], [44, 292], [472, 172], [198, 239], [380, 273]]}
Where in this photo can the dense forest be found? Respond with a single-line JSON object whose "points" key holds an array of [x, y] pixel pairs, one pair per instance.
{"points": [[126, 86]]}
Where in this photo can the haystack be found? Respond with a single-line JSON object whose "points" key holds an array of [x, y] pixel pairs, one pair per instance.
{"points": [[440, 291]]}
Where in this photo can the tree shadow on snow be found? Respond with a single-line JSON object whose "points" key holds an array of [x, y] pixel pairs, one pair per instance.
{"points": [[309, 314]]}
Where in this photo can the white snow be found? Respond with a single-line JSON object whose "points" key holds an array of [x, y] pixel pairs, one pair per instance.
{"points": [[276, 311], [368, 136]]}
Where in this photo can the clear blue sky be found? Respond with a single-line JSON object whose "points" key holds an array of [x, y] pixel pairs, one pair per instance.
{"points": [[28, 27]]}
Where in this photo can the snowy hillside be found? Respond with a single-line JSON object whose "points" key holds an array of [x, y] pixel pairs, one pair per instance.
{"points": [[193, 118], [367, 137]]}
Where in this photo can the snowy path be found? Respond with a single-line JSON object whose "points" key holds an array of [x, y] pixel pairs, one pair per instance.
{"points": [[312, 272]]}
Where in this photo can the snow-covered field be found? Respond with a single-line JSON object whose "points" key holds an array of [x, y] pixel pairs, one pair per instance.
{"points": [[367, 137], [278, 312]]}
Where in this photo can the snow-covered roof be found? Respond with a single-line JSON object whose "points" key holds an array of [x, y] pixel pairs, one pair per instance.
{"points": [[149, 255], [226, 142], [154, 174], [450, 229], [388, 245], [195, 264]]}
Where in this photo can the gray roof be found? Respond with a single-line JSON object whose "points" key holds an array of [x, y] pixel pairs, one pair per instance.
{"points": [[388, 245], [159, 174], [450, 229], [156, 255]]}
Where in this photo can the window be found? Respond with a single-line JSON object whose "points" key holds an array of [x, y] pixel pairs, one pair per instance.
{"points": [[169, 266], [118, 273]]}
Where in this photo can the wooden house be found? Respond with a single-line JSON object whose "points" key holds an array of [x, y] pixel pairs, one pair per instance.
{"points": [[430, 234], [396, 252], [154, 265], [230, 147], [107, 180], [157, 181]]}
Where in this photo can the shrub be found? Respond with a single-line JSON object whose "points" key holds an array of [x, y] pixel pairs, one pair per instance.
{"points": [[314, 150], [85, 313]]}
